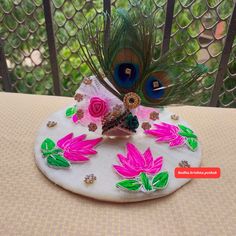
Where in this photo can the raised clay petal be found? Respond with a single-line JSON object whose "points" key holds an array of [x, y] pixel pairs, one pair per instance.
{"points": [[85, 144], [157, 165], [126, 164], [178, 141], [75, 118], [136, 155], [77, 140], [125, 173], [61, 142], [165, 138], [85, 151], [148, 158], [75, 157]]}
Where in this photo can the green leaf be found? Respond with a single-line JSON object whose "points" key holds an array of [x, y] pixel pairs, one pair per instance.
{"points": [[57, 161], [54, 151], [185, 129], [192, 143], [47, 144], [129, 184], [70, 111], [160, 180], [145, 181], [188, 135]]}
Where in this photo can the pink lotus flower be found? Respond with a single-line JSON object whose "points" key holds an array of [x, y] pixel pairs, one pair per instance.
{"points": [[136, 163], [77, 149], [97, 107], [167, 133]]}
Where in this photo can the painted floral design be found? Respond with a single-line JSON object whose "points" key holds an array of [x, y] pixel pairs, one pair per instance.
{"points": [[141, 171], [176, 136], [68, 150]]}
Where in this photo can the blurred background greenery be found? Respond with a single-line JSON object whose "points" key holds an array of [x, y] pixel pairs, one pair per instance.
{"points": [[201, 24]]}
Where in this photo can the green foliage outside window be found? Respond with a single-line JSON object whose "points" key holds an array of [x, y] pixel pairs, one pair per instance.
{"points": [[22, 28]]}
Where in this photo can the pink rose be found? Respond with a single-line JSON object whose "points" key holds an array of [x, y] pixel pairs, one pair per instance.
{"points": [[97, 107]]}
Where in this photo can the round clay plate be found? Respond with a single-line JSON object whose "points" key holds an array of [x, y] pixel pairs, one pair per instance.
{"points": [[101, 164]]}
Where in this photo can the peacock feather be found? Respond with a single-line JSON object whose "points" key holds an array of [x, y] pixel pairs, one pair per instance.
{"points": [[126, 65]]}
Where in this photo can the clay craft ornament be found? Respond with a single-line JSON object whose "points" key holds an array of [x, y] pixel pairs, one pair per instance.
{"points": [[71, 174], [141, 171], [121, 108], [68, 150], [176, 136]]}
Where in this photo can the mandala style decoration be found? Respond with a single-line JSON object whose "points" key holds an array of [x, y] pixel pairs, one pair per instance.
{"points": [[176, 136], [68, 150], [141, 171]]}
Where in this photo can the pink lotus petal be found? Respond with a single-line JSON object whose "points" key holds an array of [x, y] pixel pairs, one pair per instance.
{"points": [[148, 158], [87, 151], [127, 164], [121, 158], [75, 118], [157, 165], [136, 155], [86, 143], [75, 157], [77, 140], [124, 172], [165, 138], [61, 142], [178, 141]]}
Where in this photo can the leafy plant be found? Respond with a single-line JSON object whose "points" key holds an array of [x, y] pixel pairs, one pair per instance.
{"points": [[22, 28]]}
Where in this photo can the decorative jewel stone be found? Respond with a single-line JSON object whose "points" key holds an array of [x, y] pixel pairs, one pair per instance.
{"points": [[154, 115], [51, 124], [184, 163], [87, 81], [131, 100], [92, 127], [174, 117], [146, 126], [89, 179], [78, 97]]}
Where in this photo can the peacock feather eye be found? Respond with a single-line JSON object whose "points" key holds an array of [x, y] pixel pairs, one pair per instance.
{"points": [[126, 74], [127, 70], [155, 86]]}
